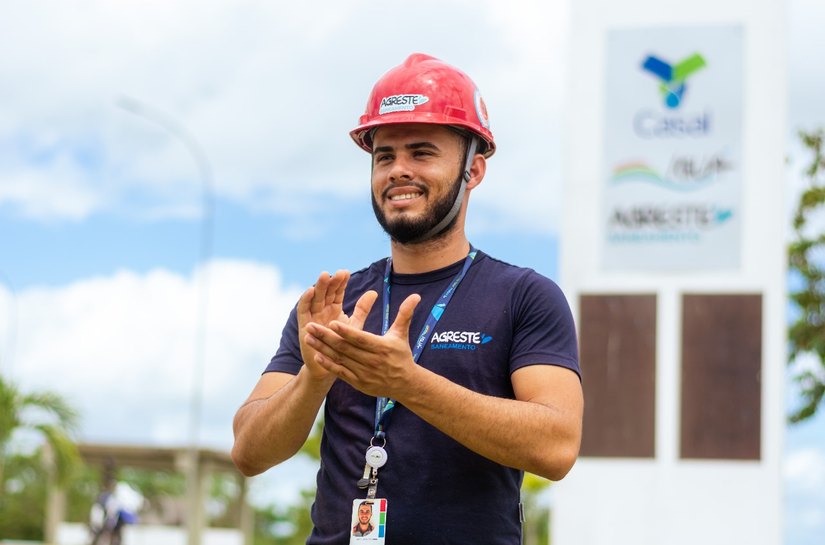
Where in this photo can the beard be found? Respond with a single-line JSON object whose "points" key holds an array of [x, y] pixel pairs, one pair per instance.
{"points": [[405, 230]]}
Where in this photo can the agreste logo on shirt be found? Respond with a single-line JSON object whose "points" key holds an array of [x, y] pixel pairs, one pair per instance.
{"points": [[458, 340]]}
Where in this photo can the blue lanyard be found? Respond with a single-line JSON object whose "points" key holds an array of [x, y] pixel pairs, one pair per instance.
{"points": [[384, 405]]}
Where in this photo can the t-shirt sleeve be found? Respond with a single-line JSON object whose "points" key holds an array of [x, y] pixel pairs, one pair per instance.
{"points": [[544, 329], [288, 357]]}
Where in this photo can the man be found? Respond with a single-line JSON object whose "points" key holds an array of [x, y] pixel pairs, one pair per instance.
{"points": [[364, 527], [117, 505], [451, 401]]}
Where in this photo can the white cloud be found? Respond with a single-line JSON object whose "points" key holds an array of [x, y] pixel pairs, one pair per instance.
{"points": [[57, 189], [270, 94], [804, 469], [122, 347], [806, 42], [812, 517], [810, 363], [804, 481]]}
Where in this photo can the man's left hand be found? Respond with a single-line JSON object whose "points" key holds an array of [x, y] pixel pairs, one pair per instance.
{"points": [[373, 364]]}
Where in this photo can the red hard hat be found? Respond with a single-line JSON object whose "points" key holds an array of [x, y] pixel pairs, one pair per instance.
{"points": [[425, 90]]}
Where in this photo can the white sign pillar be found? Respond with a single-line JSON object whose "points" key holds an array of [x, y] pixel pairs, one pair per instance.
{"points": [[673, 257]]}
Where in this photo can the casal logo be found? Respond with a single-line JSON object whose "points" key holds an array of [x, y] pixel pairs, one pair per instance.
{"points": [[672, 85]]}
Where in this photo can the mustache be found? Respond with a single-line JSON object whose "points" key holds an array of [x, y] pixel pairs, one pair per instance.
{"points": [[418, 185]]}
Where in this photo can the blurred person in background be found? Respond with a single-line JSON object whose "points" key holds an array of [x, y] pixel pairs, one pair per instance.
{"points": [[117, 505]]}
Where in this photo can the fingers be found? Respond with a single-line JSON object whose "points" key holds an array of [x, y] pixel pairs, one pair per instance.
{"points": [[339, 340], [304, 304], [339, 282], [319, 295], [401, 325], [352, 331], [362, 309], [340, 357], [336, 369], [372, 364], [329, 290]]}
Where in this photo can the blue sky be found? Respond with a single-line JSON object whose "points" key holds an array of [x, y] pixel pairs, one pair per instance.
{"points": [[100, 209]]}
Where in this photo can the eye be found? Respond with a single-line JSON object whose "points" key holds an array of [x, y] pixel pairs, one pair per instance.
{"points": [[382, 158]]}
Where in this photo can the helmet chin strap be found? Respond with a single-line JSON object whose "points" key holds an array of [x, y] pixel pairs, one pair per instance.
{"points": [[472, 145]]}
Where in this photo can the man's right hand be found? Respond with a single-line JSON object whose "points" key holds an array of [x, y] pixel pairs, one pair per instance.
{"points": [[278, 415], [322, 304]]}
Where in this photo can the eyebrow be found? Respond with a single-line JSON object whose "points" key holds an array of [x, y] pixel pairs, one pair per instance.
{"points": [[412, 146]]}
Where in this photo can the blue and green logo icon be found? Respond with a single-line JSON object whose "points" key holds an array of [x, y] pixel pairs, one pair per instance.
{"points": [[672, 77]]}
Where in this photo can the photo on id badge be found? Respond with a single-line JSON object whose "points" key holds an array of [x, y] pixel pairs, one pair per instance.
{"points": [[368, 521]]}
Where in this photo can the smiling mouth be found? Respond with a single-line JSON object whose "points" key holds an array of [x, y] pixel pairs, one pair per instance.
{"points": [[409, 191], [405, 196]]}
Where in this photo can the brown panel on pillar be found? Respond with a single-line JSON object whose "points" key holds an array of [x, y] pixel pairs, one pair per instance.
{"points": [[721, 376], [618, 358]]}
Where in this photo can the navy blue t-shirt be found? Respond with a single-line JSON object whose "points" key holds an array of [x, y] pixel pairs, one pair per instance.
{"points": [[500, 319]]}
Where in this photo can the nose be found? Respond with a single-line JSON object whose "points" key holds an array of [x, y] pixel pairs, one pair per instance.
{"points": [[400, 170]]}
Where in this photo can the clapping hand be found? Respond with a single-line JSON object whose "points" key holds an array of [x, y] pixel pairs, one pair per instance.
{"points": [[322, 304]]}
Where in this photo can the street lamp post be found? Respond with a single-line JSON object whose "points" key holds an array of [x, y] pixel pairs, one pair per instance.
{"points": [[7, 353], [194, 477]]}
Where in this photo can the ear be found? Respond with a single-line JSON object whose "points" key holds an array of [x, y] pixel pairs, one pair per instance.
{"points": [[477, 170]]}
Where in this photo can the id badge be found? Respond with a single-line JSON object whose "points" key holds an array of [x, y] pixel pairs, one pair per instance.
{"points": [[368, 521]]}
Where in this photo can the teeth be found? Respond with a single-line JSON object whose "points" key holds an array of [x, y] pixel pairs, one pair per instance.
{"points": [[404, 197]]}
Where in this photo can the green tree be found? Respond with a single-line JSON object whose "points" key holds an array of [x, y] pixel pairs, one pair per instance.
{"points": [[291, 524], [23, 501], [45, 414], [286, 525], [806, 260], [23, 477], [536, 527]]}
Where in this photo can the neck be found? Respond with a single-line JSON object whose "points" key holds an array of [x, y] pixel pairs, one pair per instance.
{"points": [[430, 255]]}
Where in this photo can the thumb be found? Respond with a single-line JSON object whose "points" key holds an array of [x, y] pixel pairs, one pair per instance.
{"points": [[362, 309], [401, 325]]}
